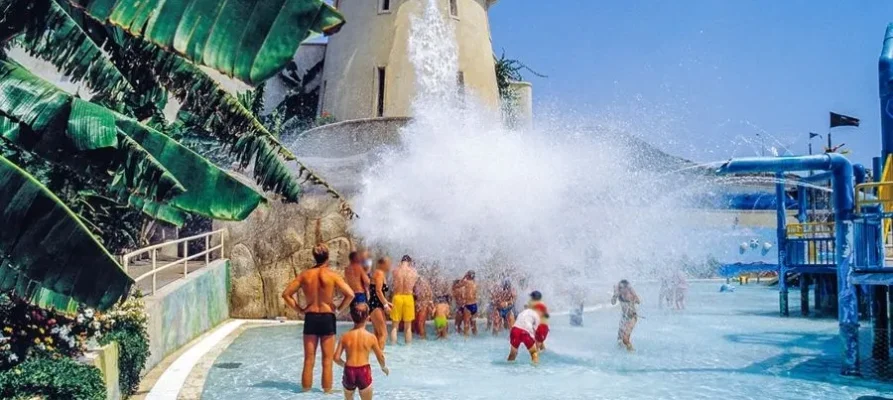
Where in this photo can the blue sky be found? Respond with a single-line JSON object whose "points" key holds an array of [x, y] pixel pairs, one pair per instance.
{"points": [[701, 78]]}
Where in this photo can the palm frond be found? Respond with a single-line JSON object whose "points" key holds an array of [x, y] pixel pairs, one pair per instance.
{"points": [[44, 245], [209, 191], [203, 32]]}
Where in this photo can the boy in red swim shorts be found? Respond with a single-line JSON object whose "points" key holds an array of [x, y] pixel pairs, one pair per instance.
{"points": [[358, 343], [524, 332]]}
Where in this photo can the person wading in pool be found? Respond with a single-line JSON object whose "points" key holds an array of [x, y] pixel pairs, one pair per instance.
{"points": [[403, 310], [469, 297], [424, 300], [628, 299], [503, 299], [378, 300], [459, 296], [358, 343], [356, 276], [318, 285]]}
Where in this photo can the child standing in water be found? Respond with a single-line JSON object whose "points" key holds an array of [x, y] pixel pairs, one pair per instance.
{"points": [[358, 343], [628, 299], [441, 313], [524, 332], [542, 331]]}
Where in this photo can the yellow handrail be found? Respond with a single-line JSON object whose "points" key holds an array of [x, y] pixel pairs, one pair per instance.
{"points": [[886, 193]]}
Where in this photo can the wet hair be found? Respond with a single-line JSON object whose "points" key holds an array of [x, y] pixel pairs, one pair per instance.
{"points": [[321, 253], [536, 295], [353, 256], [470, 274], [359, 313], [624, 282], [406, 258], [382, 261]]}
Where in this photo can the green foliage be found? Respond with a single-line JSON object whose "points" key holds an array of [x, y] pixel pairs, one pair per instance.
{"points": [[127, 326], [75, 265], [61, 378], [508, 71]]}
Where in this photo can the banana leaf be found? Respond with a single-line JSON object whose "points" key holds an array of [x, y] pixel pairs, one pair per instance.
{"points": [[60, 36], [44, 247], [233, 123], [250, 40], [209, 191]]}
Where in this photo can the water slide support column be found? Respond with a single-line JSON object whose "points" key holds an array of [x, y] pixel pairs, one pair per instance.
{"points": [[883, 294], [781, 233], [842, 184], [802, 209]]}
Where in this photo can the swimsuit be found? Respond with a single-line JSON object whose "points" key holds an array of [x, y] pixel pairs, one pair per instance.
{"points": [[319, 324], [472, 308], [374, 301], [358, 298], [518, 336], [357, 377], [440, 322], [542, 332], [404, 308], [504, 312]]}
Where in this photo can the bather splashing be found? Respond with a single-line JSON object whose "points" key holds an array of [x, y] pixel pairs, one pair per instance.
{"points": [[561, 205]]}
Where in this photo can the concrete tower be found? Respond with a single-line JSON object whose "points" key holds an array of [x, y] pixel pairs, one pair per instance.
{"points": [[367, 70]]}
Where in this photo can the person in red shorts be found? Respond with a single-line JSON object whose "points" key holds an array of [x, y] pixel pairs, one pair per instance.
{"points": [[542, 332], [524, 332], [358, 343]]}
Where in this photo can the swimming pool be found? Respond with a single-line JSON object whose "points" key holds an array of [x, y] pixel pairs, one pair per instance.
{"points": [[725, 346]]}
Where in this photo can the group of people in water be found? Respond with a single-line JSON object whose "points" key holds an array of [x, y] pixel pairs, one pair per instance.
{"points": [[409, 302]]}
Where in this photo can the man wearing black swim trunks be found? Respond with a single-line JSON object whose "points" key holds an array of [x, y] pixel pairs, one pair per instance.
{"points": [[318, 285]]}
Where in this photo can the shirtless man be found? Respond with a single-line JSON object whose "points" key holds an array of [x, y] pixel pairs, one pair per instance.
{"points": [[424, 299], [469, 299], [356, 276], [358, 344], [403, 311], [318, 285]]}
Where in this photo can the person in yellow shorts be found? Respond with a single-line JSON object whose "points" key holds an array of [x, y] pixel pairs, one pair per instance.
{"points": [[403, 310]]}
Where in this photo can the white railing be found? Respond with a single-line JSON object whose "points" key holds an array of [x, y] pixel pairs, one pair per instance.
{"points": [[184, 242]]}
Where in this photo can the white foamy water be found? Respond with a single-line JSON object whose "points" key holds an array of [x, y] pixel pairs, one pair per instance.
{"points": [[564, 204]]}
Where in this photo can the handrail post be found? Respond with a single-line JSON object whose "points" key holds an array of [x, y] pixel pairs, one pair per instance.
{"points": [[185, 258], [222, 246], [154, 273], [126, 263], [207, 249]]}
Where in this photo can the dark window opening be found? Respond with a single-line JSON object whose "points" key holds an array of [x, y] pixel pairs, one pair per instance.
{"points": [[381, 82], [385, 5], [454, 8], [460, 83]]}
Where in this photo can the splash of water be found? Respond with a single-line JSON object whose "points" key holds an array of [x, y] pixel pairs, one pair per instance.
{"points": [[562, 205]]}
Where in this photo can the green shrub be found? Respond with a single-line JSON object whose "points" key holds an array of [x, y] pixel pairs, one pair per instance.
{"points": [[52, 379], [127, 326]]}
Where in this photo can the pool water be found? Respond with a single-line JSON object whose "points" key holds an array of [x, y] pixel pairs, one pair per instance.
{"points": [[725, 346]]}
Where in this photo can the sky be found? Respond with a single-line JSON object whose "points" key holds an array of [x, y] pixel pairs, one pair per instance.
{"points": [[701, 79]]}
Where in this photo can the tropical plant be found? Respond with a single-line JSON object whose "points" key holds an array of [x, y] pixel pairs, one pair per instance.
{"points": [[507, 71], [127, 325], [132, 55]]}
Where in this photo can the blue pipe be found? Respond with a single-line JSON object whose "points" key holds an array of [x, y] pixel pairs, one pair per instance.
{"points": [[885, 86], [859, 173], [842, 185], [781, 235], [802, 204], [877, 169]]}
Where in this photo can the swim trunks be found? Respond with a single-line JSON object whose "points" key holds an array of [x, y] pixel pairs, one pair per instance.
{"points": [[517, 336], [542, 332], [404, 308], [472, 308], [504, 312], [374, 301], [357, 377], [359, 298], [319, 324], [440, 322]]}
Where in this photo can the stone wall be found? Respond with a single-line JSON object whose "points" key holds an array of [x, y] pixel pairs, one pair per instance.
{"points": [[274, 244]]}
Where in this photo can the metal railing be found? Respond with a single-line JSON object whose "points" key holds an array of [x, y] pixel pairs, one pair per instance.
{"points": [[874, 194], [810, 252], [810, 230], [184, 262]]}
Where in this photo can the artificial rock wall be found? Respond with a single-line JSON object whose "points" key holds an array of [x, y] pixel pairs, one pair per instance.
{"points": [[274, 244]]}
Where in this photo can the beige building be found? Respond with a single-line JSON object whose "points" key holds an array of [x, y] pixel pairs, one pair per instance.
{"points": [[367, 71]]}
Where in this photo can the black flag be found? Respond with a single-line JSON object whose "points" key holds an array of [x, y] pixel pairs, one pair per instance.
{"points": [[843, 120], [812, 135]]}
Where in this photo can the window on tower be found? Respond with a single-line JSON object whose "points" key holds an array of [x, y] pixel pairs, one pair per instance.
{"points": [[454, 8], [460, 84], [384, 5], [379, 103]]}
